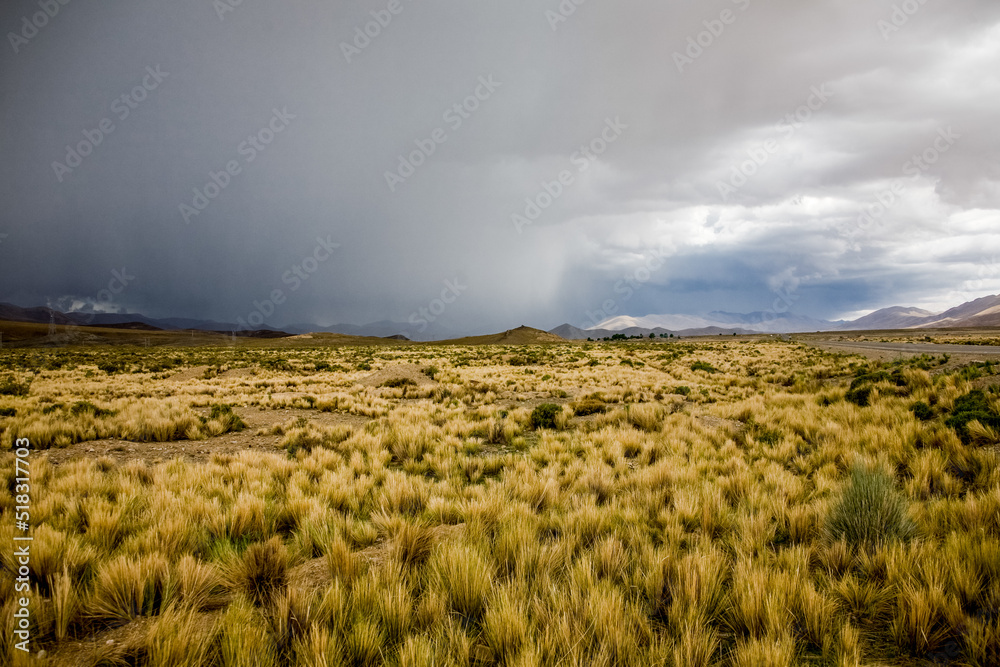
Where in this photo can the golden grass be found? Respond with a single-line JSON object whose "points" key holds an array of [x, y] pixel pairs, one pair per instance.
{"points": [[671, 516]]}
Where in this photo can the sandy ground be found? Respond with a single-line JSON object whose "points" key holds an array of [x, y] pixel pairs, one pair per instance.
{"points": [[123, 451]]}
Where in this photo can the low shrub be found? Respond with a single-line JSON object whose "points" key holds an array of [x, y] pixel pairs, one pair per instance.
{"points": [[544, 416], [869, 511], [974, 406], [922, 411]]}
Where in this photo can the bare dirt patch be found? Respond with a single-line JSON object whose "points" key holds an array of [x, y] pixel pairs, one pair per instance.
{"points": [[711, 421], [397, 373], [255, 437], [193, 373]]}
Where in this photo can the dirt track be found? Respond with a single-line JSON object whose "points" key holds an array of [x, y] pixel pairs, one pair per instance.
{"points": [[885, 351]]}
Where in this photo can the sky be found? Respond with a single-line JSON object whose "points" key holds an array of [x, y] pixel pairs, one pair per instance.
{"points": [[470, 167]]}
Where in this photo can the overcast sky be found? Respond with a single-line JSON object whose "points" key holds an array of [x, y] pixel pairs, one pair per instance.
{"points": [[496, 164]]}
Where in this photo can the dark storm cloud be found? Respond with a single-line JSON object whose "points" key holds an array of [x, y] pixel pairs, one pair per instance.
{"points": [[742, 141]]}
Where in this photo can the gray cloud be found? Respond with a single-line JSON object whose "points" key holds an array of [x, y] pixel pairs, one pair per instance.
{"points": [[887, 95]]}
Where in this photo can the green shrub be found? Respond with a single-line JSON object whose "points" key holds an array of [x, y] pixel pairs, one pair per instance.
{"points": [[11, 386], [869, 511], [544, 416], [588, 406], [88, 408], [8, 412], [704, 366], [396, 383], [683, 391], [974, 406], [922, 411], [110, 367], [224, 413], [861, 396]]}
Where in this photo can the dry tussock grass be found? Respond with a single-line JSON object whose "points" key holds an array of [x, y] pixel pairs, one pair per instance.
{"points": [[748, 516]]}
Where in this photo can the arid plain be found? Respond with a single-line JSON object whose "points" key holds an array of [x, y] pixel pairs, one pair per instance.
{"points": [[721, 501]]}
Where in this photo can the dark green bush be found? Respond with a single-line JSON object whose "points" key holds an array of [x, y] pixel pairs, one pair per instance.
{"points": [[588, 406], [396, 383], [861, 396], [922, 411], [224, 413], [870, 511], [8, 412], [11, 386], [704, 366], [86, 407], [974, 406], [110, 367], [544, 416]]}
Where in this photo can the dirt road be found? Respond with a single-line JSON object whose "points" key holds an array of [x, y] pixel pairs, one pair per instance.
{"points": [[894, 350]]}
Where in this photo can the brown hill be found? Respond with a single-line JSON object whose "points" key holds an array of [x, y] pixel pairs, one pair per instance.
{"points": [[520, 336]]}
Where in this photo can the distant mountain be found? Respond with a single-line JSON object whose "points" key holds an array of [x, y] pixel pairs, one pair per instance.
{"points": [[39, 315], [43, 315], [896, 317], [984, 312], [751, 322], [522, 335], [383, 329], [570, 332]]}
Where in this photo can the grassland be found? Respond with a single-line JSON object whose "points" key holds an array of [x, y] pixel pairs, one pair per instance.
{"points": [[688, 503]]}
